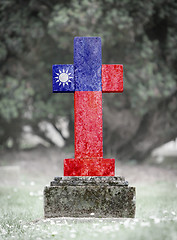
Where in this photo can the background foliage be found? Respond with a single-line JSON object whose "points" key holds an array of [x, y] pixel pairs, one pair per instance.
{"points": [[139, 34]]}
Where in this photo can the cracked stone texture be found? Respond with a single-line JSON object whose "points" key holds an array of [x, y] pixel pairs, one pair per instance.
{"points": [[89, 197]]}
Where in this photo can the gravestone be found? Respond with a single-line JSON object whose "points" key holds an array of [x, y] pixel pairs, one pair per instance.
{"points": [[89, 187]]}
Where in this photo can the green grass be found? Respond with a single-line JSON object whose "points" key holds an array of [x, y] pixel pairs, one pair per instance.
{"points": [[21, 216]]}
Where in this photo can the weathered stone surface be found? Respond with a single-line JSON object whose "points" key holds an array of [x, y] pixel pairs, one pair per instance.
{"points": [[89, 197], [85, 181]]}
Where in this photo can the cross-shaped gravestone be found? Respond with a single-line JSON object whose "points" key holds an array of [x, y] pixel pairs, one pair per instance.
{"points": [[88, 79]]}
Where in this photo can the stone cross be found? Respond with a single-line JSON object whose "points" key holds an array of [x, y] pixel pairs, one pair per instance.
{"points": [[87, 78]]}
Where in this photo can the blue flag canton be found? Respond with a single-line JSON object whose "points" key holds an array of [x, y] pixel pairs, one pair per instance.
{"points": [[63, 78]]}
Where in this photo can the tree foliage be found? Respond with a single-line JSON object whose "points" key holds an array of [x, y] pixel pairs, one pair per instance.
{"points": [[139, 34]]}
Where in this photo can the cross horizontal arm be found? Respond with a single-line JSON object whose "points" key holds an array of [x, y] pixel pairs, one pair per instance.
{"points": [[63, 78], [112, 78]]}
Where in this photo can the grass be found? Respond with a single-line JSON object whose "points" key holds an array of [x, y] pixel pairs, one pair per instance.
{"points": [[21, 216], [21, 206]]}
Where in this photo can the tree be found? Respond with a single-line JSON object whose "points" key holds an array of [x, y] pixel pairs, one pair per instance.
{"points": [[140, 35]]}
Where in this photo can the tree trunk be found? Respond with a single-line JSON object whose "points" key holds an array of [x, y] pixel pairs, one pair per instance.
{"points": [[142, 135]]}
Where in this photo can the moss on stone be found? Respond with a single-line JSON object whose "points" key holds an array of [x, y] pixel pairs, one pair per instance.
{"points": [[103, 200]]}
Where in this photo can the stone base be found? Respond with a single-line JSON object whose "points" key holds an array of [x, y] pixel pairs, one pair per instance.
{"points": [[89, 197]]}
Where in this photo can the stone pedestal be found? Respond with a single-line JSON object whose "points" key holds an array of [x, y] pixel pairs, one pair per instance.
{"points": [[89, 197]]}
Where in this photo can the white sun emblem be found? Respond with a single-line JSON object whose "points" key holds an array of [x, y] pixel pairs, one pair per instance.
{"points": [[63, 77]]}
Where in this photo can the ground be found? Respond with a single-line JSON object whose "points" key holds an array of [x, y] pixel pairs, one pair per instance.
{"points": [[23, 176]]}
